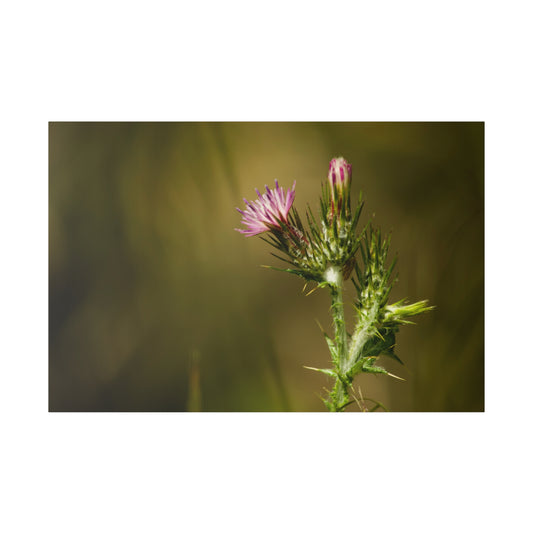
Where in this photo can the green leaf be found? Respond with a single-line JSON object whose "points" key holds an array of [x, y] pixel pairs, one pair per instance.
{"points": [[392, 355], [301, 273], [382, 342], [328, 371], [332, 349], [369, 366]]}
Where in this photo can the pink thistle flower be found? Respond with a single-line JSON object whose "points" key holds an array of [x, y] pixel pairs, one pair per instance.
{"points": [[268, 212]]}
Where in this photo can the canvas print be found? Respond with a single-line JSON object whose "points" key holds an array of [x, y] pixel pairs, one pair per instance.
{"points": [[266, 266]]}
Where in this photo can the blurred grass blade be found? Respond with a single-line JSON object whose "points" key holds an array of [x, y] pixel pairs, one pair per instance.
{"points": [[194, 401]]}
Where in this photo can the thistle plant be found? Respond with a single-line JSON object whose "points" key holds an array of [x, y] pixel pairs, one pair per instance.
{"points": [[329, 252]]}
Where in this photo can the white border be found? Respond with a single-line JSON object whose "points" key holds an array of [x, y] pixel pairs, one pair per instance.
{"points": [[274, 61]]}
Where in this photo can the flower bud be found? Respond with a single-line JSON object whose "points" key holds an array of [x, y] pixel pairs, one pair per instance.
{"points": [[340, 177]]}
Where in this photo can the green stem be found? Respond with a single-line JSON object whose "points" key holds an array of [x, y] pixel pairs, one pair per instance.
{"points": [[334, 277], [339, 394]]}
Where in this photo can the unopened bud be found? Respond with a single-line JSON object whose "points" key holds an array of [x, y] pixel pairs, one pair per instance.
{"points": [[339, 177]]}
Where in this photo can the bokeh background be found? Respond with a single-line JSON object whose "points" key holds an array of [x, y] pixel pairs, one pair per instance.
{"points": [[157, 304]]}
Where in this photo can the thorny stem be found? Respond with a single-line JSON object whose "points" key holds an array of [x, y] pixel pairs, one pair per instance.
{"points": [[340, 396], [337, 310], [340, 392]]}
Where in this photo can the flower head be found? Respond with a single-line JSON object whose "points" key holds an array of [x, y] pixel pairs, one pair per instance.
{"points": [[268, 212], [339, 176]]}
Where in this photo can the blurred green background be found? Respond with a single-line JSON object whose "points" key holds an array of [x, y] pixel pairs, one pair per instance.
{"points": [[157, 304]]}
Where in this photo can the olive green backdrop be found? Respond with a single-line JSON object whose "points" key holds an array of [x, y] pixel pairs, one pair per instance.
{"points": [[157, 304]]}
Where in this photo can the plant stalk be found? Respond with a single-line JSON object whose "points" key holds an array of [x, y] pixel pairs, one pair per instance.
{"points": [[339, 394]]}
